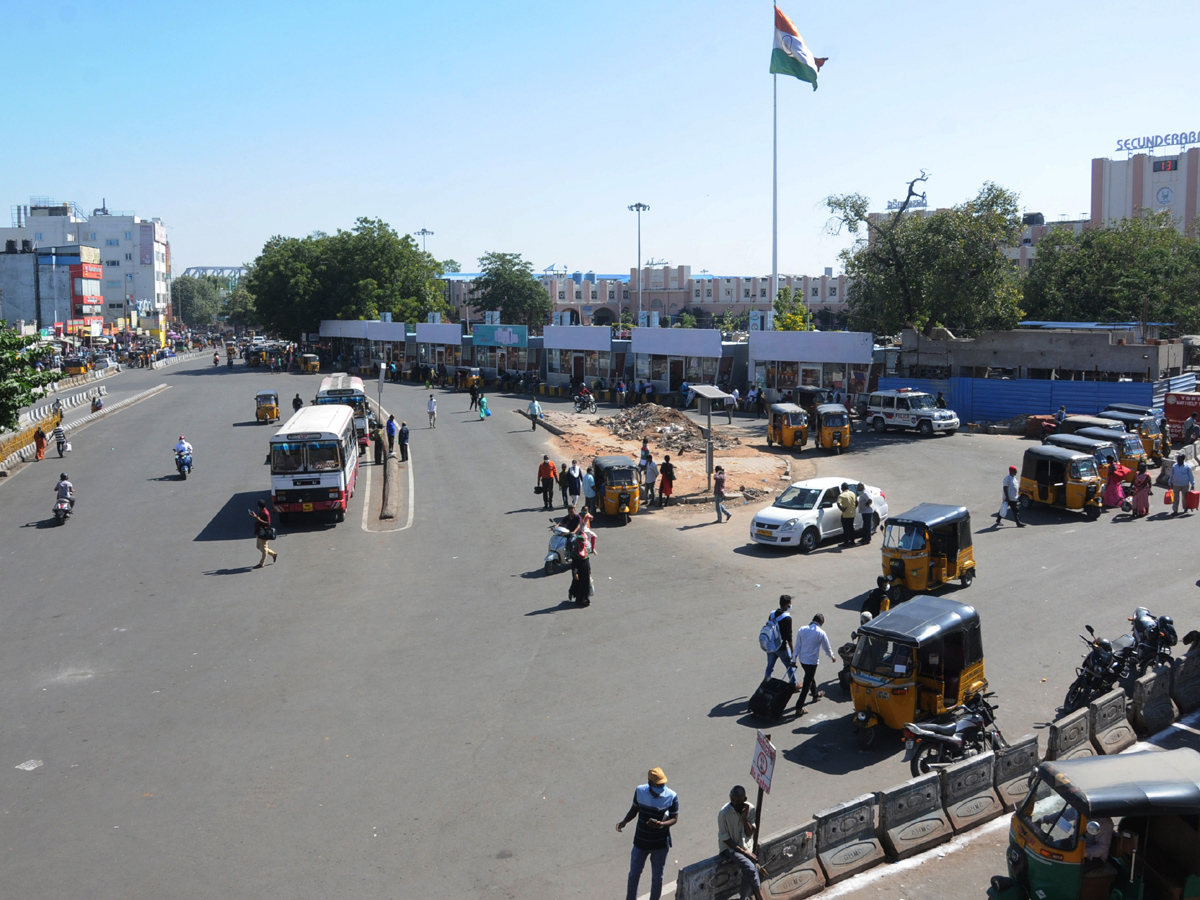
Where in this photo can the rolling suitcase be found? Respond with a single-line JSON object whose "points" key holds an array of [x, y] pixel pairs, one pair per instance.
{"points": [[1191, 500], [771, 699]]}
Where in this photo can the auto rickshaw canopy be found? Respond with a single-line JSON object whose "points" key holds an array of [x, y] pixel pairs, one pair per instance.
{"points": [[1048, 457], [789, 409], [1071, 424], [939, 518], [1154, 782], [1082, 444], [1128, 445], [615, 470], [1134, 423], [267, 398], [831, 409], [921, 619]]}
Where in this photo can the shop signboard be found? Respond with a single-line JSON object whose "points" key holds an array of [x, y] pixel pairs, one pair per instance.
{"points": [[501, 336]]}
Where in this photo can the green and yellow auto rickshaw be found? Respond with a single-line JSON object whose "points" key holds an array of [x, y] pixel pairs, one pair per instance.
{"points": [[915, 662], [1105, 827], [787, 425], [832, 424]]}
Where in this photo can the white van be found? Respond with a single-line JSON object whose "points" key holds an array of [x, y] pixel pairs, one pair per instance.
{"points": [[906, 408]]}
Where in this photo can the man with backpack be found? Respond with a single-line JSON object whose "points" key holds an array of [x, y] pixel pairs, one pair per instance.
{"points": [[776, 639]]}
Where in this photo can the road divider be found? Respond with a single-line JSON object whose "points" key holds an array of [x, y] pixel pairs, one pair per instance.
{"points": [[1070, 737], [1013, 765], [1109, 725], [969, 791], [1152, 706], [847, 842], [911, 818], [391, 488], [1185, 682]]}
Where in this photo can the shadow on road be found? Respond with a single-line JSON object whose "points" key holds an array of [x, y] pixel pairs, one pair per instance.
{"points": [[42, 523], [174, 477], [831, 746], [232, 523], [560, 607], [238, 571]]}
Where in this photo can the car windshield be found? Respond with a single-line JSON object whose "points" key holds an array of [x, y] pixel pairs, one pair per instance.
{"points": [[1083, 468], [921, 401], [882, 656], [798, 497], [904, 536]]}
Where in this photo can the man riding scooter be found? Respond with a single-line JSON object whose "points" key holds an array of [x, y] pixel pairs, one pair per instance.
{"points": [[64, 503]]}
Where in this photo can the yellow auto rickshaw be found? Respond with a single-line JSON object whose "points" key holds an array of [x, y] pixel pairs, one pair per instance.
{"points": [[1103, 452], [1061, 477], [1107, 826], [833, 427], [1129, 447], [468, 376], [267, 406], [310, 363], [916, 661], [927, 546], [75, 365], [256, 356], [1145, 426], [618, 486], [787, 425]]}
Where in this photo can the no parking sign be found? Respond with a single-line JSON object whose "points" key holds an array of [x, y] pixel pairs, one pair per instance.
{"points": [[763, 766]]}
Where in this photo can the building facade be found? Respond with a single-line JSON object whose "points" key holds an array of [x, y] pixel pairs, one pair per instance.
{"points": [[55, 288], [1123, 188], [135, 254]]}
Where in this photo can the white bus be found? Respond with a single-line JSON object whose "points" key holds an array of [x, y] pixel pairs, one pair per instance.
{"points": [[314, 462], [340, 388]]}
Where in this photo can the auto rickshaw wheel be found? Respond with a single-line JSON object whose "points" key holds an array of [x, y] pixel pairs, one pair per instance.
{"points": [[768, 440], [838, 449], [628, 518], [900, 593], [866, 737], [967, 578]]}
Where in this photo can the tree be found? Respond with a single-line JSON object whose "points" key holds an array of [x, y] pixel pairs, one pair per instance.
{"points": [[790, 312], [685, 320], [18, 375], [1137, 270], [451, 265], [195, 300], [508, 285], [238, 308], [356, 274], [947, 268]]}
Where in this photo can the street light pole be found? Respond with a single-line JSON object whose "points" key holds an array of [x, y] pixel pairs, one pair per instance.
{"points": [[422, 234], [639, 208]]}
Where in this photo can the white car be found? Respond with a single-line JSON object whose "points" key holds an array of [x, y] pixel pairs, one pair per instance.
{"points": [[806, 514]]}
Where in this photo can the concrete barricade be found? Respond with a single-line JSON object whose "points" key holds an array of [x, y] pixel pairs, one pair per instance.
{"points": [[1069, 737], [1111, 731], [911, 818], [846, 839], [1152, 706], [1013, 765], [391, 488], [791, 863], [715, 878], [969, 792], [1185, 682]]}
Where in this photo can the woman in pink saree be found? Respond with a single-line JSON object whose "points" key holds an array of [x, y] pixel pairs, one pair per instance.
{"points": [[1141, 491]]}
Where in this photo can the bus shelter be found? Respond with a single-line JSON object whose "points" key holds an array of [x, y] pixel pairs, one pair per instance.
{"points": [[500, 349], [668, 357], [439, 345], [781, 361], [583, 353]]}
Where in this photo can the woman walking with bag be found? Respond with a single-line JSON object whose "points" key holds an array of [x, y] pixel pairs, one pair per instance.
{"points": [[1141, 491]]}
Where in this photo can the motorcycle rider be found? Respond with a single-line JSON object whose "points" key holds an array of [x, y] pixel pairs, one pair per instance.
{"points": [[65, 490], [181, 447], [216, 358]]}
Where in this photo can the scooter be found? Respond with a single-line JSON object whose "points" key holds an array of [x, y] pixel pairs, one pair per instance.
{"points": [[183, 463], [63, 509], [216, 359], [556, 553], [972, 731]]}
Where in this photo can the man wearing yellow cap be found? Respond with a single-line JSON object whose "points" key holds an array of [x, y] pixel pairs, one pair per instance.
{"points": [[656, 807]]}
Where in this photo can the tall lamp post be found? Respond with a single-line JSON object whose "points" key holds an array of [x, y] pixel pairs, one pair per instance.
{"points": [[422, 234], [639, 208]]}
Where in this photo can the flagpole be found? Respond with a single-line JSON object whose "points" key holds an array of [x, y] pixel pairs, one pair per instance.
{"points": [[774, 188]]}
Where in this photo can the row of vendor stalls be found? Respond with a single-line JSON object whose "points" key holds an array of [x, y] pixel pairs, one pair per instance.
{"points": [[777, 361]]}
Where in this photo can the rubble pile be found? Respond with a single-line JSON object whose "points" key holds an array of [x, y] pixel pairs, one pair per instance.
{"points": [[668, 429]]}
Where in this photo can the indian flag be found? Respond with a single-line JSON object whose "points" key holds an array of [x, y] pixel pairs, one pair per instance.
{"points": [[790, 55]]}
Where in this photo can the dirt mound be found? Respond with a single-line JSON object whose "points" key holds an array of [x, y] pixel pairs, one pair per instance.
{"points": [[667, 428]]}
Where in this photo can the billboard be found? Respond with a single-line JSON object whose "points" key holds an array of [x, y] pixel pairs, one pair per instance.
{"points": [[501, 336]]}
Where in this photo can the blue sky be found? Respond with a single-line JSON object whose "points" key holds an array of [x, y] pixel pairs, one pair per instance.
{"points": [[531, 126]]}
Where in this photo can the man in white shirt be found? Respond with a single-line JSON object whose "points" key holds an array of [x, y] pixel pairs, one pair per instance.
{"points": [[535, 412], [810, 641], [1011, 494], [432, 407], [182, 446]]}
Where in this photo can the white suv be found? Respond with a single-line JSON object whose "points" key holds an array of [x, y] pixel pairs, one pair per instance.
{"points": [[906, 408]]}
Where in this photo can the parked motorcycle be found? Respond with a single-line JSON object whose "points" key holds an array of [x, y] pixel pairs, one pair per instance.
{"points": [[62, 510], [972, 730], [585, 403], [1104, 665], [183, 463], [1155, 636]]}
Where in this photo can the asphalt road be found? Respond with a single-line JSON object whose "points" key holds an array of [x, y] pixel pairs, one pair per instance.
{"points": [[418, 712]]}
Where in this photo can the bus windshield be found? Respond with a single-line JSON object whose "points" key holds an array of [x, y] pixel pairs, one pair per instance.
{"points": [[357, 403], [323, 456], [305, 456], [287, 458]]}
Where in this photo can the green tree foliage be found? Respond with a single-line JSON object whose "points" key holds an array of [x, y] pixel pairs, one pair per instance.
{"points": [[685, 320], [790, 312], [238, 308], [18, 375], [1137, 270], [509, 285], [451, 265], [948, 268], [356, 274], [195, 300]]}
